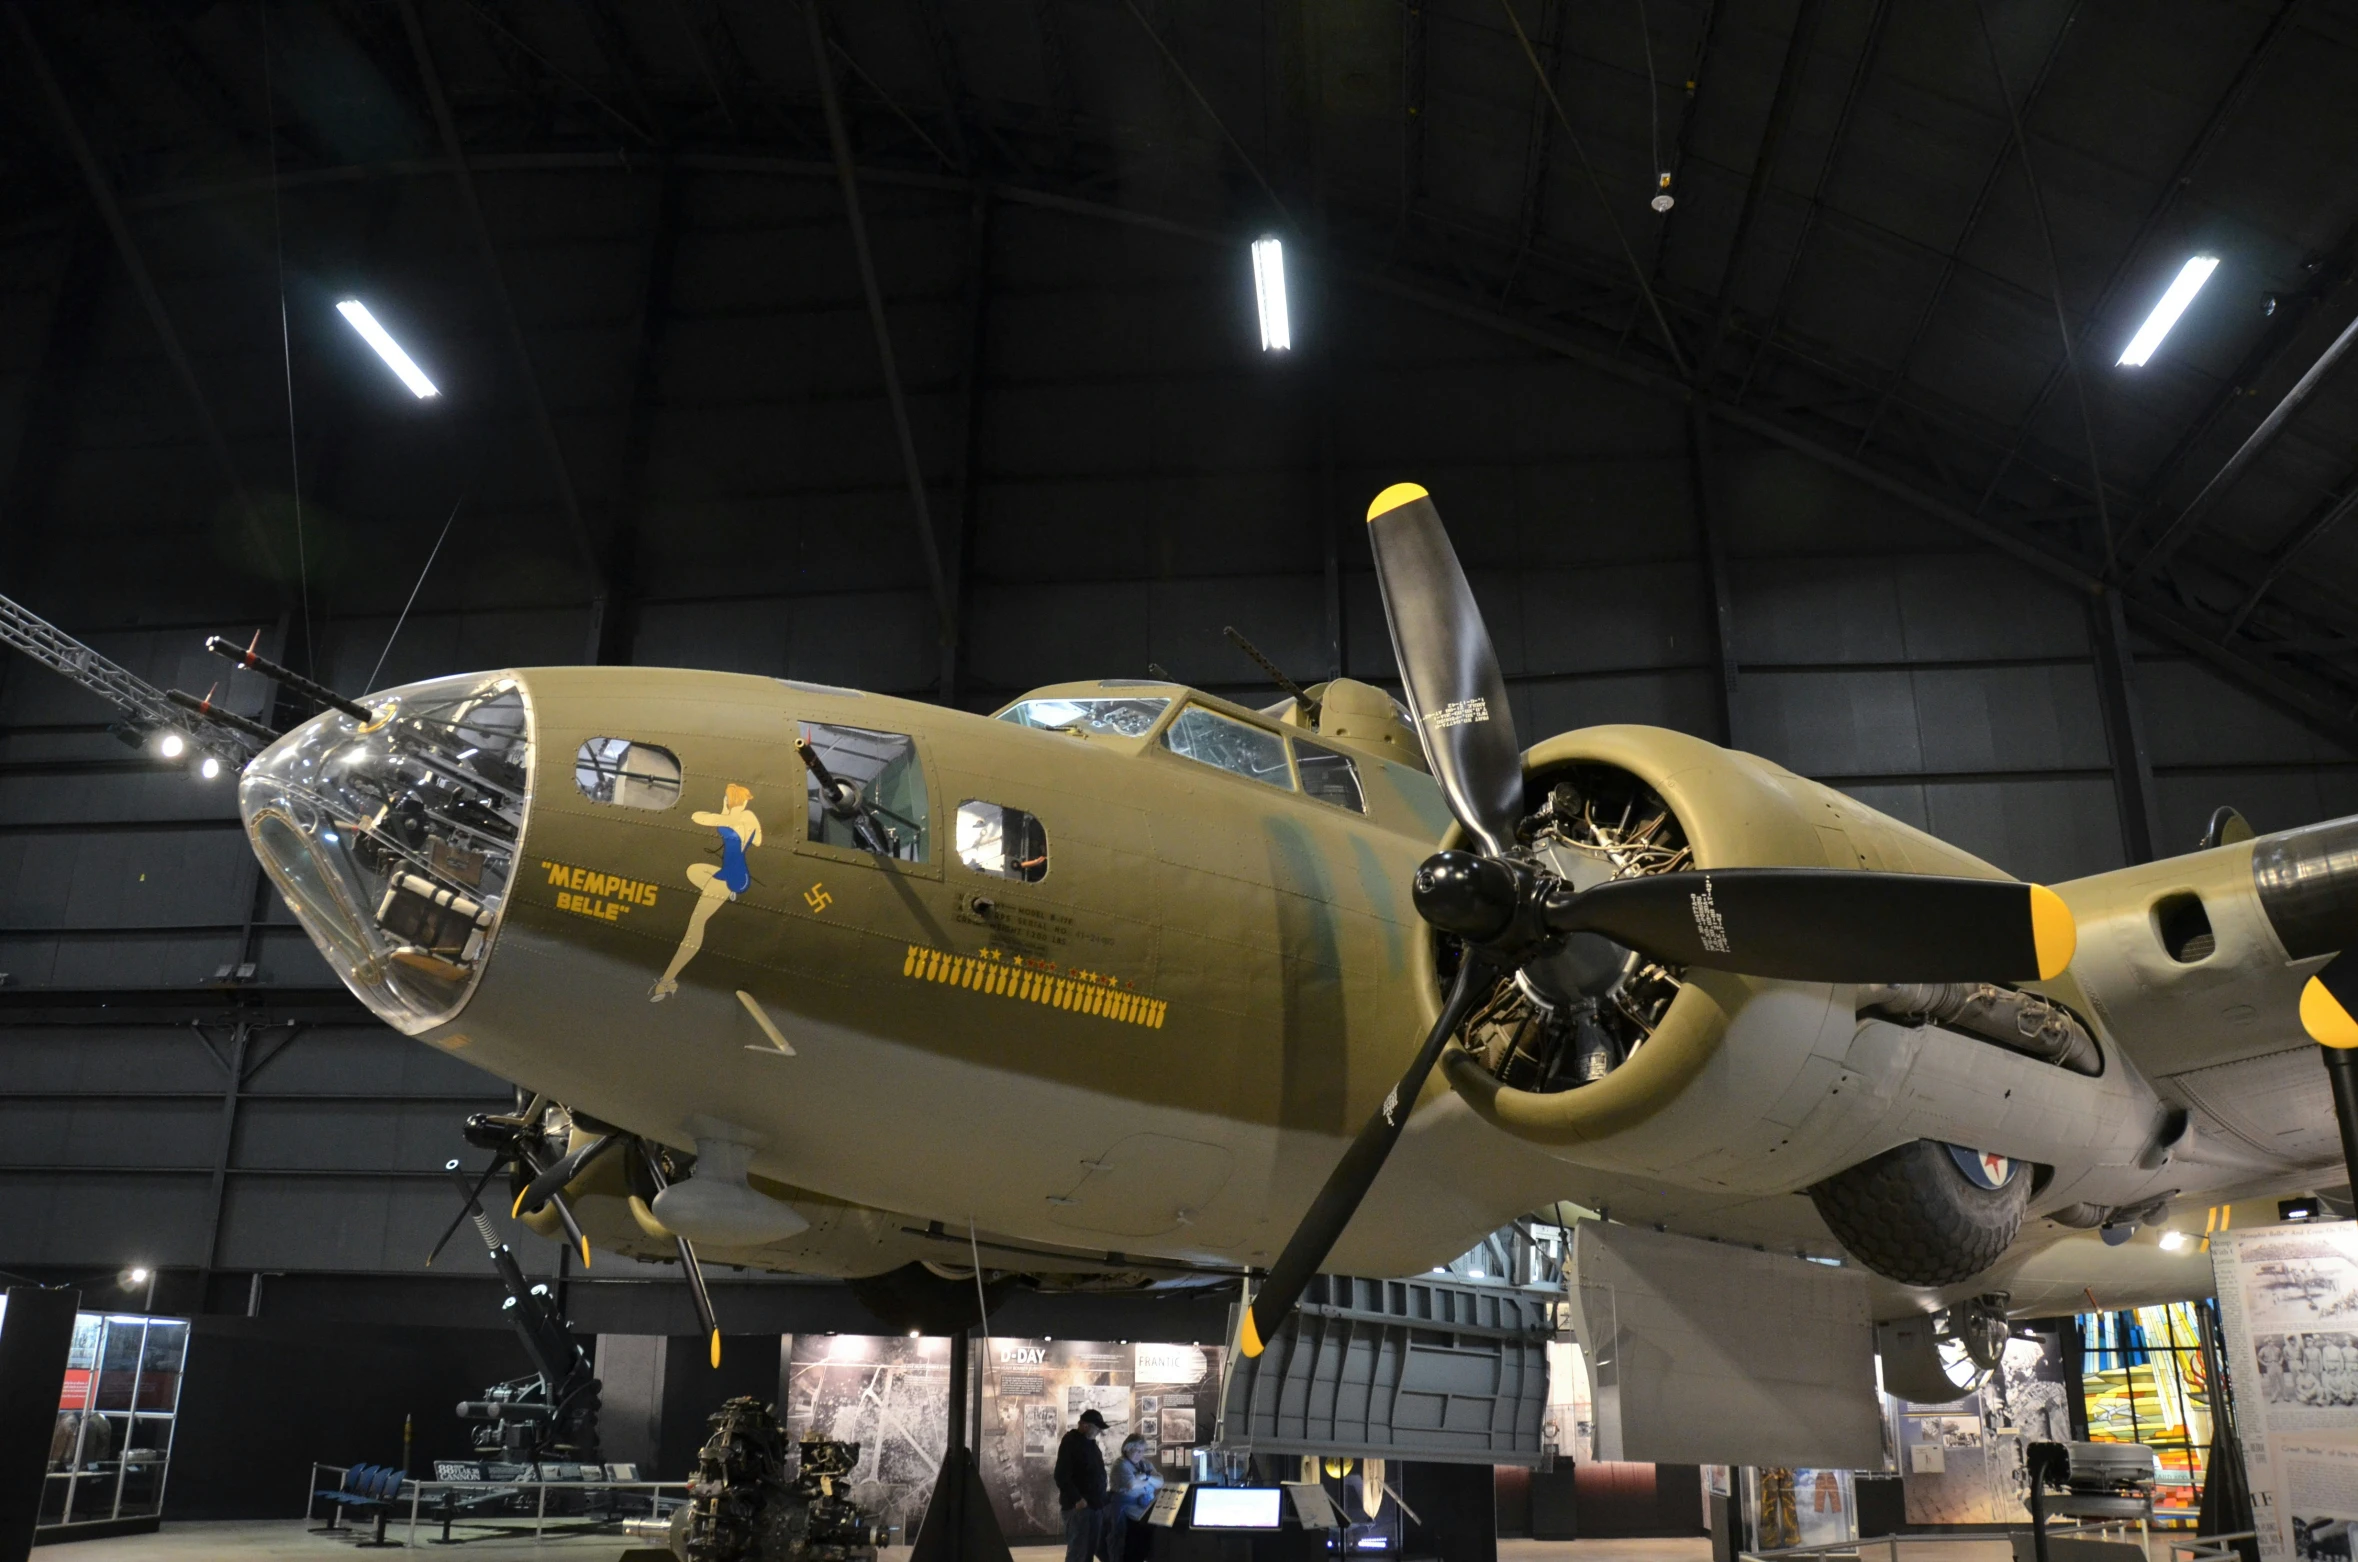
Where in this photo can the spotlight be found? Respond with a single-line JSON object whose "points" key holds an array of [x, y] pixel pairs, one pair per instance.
{"points": [[353, 310], [172, 745], [1277, 332], [136, 1277], [2174, 300], [2175, 1241], [210, 769]]}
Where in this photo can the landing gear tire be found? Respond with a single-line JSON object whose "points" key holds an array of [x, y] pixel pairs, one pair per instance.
{"points": [[1915, 1216]]}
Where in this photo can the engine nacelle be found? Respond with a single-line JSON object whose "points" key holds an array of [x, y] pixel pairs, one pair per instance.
{"points": [[1743, 1086], [1732, 810]]}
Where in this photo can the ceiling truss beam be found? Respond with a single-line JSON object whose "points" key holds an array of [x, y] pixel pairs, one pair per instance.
{"points": [[904, 435], [2198, 633], [110, 211], [543, 425]]}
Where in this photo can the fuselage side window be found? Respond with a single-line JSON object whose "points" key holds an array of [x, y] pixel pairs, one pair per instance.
{"points": [[1122, 718], [632, 775], [1328, 776], [1210, 738], [884, 791], [1006, 843]]}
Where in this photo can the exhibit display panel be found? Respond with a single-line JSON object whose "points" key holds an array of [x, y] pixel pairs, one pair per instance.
{"points": [[890, 1395], [2288, 1305], [115, 1414], [1963, 1462]]}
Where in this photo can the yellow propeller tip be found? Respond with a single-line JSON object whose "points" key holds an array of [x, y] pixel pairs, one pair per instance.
{"points": [[716, 1349], [585, 1262], [516, 1210], [2053, 932], [2324, 1018], [1394, 497], [1249, 1338]]}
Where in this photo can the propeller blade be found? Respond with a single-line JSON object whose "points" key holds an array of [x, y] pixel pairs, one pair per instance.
{"points": [[1447, 666], [704, 1313], [688, 1264], [473, 1197], [1826, 925], [2328, 1000], [573, 1232], [1348, 1183], [538, 1191]]}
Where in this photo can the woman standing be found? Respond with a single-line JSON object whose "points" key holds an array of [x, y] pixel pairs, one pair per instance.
{"points": [[1134, 1485]]}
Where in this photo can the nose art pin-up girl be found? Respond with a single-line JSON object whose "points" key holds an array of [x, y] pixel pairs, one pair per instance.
{"points": [[715, 885]]}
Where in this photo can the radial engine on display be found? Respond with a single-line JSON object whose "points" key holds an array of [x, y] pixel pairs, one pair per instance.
{"points": [[743, 1507]]}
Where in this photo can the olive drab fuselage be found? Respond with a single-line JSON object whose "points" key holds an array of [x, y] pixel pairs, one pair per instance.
{"points": [[1099, 1002]]}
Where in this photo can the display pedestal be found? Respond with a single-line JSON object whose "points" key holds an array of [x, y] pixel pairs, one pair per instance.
{"points": [[1227, 1545], [960, 1525]]}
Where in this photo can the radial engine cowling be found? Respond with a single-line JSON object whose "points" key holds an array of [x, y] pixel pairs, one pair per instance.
{"points": [[1595, 1040]]}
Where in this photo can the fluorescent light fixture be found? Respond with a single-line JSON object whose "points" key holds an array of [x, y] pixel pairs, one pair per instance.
{"points": [[2174, 300], [1277, 332], [377, 336]]}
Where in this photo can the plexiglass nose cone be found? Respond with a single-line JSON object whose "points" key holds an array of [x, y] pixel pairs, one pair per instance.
{"points": [[393, 839]]}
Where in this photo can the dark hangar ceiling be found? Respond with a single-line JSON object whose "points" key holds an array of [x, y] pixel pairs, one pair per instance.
{"points": [[1864, 263]]}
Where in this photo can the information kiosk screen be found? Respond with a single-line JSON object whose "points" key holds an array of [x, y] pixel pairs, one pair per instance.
{"points": [[1236, 1507]]}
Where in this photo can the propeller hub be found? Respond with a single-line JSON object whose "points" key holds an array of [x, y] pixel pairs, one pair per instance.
{"points": [[486, 1131], [1473, 897]]}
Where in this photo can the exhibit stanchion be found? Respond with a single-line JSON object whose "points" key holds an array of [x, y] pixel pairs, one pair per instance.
{"points": [[2341, 1067]]}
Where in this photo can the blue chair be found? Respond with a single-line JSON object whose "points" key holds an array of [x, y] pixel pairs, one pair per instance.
{"points": [[367, 1490]]}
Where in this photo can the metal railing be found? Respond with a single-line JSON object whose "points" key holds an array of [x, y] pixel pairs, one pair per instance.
{"points": [[2193, 1548], [416, 1493], [1858, 1548]]}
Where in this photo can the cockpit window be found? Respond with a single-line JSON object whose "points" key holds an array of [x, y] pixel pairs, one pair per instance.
{"points": [[1213, 739], [1124, 718], [879, 805], [1004, 842], [633, 775], [1328, 776]]}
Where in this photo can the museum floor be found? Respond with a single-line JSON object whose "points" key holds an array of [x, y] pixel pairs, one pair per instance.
{"points": [[230, 1542]]}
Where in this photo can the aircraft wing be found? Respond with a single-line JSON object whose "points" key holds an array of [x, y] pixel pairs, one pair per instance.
{"points": [[2193, 967]]}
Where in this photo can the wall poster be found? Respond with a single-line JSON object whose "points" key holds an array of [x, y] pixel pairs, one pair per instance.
{"points": [[888, 1393], [1963, 1462], [2288, 1302], [1033, 1391]]}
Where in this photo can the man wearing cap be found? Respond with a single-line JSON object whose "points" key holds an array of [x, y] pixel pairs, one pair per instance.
{"points": [[1080, 1486]]}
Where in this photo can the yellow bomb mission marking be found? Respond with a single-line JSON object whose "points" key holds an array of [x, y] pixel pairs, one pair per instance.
{"points": [[605, 897], [1000, 980]]}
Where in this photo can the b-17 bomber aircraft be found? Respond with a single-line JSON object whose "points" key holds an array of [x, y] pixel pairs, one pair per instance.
{"points": [[1129, 983]]}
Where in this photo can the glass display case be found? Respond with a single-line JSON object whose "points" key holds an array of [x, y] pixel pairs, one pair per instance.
{"points": [[115, 1412]]}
